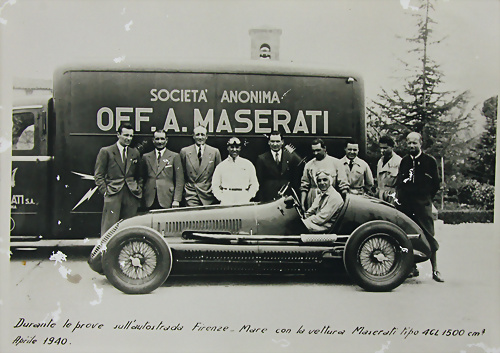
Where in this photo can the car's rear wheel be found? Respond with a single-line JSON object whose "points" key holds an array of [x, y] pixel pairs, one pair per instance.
{"points": [[137, 260], [378, 256]]}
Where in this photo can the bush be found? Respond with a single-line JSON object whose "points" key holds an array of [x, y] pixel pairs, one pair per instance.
{"points": [[472, 192], [465, 216]]}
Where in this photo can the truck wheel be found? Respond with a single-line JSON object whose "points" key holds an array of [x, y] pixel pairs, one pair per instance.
{"points": [[378, 256], [137, 260]]}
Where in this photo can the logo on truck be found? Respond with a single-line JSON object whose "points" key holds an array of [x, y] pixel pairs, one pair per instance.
{"points": [[236, 113]]}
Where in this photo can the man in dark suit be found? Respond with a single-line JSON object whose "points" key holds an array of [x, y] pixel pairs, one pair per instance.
{"points": [[117, 176], [276, 168], [199, 161], [416, 185], [163, 175]]}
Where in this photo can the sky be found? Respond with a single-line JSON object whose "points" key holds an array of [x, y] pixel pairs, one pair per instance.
{"points": [[365, 36]]}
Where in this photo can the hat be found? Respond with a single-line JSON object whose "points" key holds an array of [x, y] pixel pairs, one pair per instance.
{"points": [[234, 141]]}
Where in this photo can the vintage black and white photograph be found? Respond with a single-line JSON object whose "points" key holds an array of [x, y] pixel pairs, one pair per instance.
{"points": [[249, 176]]}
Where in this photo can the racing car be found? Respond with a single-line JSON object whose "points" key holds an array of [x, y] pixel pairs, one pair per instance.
{"points": [[378, 244]]}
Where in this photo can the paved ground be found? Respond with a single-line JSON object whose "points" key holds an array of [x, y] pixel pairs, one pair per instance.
{"points": [[255, 314]]}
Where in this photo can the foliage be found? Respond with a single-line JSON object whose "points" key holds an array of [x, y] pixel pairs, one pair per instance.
{"points": [[482, 161], [465, 216], [421, 105], [472, 192]]}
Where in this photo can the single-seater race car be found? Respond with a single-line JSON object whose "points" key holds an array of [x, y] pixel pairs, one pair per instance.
{"points": [[378, 244]]}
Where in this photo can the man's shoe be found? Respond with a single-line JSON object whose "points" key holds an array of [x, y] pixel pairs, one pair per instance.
{"points": [[414, 273], [436, 276]]}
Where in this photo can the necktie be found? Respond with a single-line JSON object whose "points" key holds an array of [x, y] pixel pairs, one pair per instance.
{"points": [[351, 164], [199, 154], [124, 157], [159, 157], [277, 157]]}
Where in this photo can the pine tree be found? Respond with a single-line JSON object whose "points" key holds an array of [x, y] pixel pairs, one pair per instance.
{"points": [[421, 105], [482, 162]]}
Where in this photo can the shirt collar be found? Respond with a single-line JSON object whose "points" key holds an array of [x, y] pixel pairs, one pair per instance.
{"points": [[418, 155], [120, 147], [162, 151]]}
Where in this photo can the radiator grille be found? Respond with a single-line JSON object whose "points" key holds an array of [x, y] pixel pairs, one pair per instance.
{"points": [[221, 225]]}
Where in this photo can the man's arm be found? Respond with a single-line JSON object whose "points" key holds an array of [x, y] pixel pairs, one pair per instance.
{"points": [[179, 181], [254, 183], [100, 170], [216, 183], [305, 185]]}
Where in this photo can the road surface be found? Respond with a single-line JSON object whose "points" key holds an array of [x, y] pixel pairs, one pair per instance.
{"points": [[58, 304]]}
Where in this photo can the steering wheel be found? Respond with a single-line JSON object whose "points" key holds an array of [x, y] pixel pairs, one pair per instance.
{"points": [[297, 204]]}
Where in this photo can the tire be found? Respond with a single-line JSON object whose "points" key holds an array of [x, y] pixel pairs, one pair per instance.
{"points": [[137, 260], [95, 260], [378, 256]]}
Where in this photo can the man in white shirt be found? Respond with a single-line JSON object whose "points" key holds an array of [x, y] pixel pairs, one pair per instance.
{"points": [[321, 161], [234, 180]]}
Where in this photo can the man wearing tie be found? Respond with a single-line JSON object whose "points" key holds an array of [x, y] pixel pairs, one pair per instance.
{"points": [[358, 172], [163, 175], [199, 161], [276, 168], [118, 178]]}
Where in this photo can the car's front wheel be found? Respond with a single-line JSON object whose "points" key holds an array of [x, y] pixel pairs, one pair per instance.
{"points": [[378, 256], [137, 260]]}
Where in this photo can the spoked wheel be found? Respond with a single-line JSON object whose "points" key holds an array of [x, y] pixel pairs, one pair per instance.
{"points": [[378, 256], [137, 260]]}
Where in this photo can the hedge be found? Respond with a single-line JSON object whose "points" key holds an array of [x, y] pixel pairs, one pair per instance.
{"points": [[465, 216]]}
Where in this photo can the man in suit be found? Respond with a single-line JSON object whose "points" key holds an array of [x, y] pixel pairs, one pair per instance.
{"points": [[118, 178], [276, 168], [416, 185], [199, 161], [163, 175]]}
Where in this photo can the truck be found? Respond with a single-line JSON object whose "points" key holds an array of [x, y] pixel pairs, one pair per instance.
{"points": [[53, 190]]}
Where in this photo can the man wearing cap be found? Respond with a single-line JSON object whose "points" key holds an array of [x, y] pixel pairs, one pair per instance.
{"points": [[199, 161], [234, 180], [163, 175], [387, 169], [325, 207], [322, 161], [118, 178], [358, 172]]}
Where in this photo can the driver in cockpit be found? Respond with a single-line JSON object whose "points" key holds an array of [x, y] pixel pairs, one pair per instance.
{"points": [[325, 207]]}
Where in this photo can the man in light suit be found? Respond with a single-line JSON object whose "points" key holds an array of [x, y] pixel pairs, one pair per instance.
{"points": [[118, 178], [163, 175], [276, 168], [199, 161]]}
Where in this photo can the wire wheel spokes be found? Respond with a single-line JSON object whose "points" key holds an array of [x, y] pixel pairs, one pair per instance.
{"points": [[137, 259], [377, 255]]}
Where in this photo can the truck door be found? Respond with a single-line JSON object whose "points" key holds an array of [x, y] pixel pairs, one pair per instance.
{"points": [[30, 195]]}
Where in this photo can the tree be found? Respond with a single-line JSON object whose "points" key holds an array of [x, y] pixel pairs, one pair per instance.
{"points": [[482, 162], [440, 116]]}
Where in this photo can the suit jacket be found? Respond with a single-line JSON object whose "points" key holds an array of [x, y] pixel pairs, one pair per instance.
{"points": [[111, 174], [165, 179], [272, 176], [199, 177]]}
